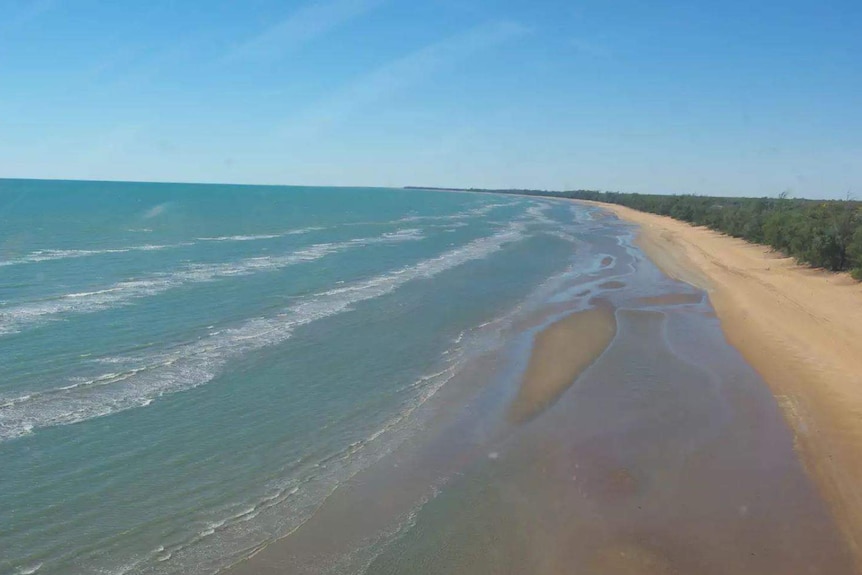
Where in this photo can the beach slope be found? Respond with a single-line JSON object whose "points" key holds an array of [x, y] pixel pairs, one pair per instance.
{"points": [[800, 328]]}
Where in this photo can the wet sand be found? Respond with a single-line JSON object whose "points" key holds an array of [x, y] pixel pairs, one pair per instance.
{"points": [[560, 353], [800, 328], [650, 465], [670, 299]]}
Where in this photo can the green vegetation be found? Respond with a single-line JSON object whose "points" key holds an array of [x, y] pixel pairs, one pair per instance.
{"points": [[824, 234]]}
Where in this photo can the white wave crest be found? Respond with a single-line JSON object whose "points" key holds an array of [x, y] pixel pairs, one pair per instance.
{"points": [[199, 362], [477, 212], [538, 212], [51, 255], [240, 238], [15, 318], [255, 237], [48, 255]]}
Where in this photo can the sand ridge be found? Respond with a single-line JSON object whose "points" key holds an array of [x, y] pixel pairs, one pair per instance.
{"points": [[560, 353]]}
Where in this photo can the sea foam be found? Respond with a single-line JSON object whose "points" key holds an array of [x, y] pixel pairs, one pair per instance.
{"points": [[197, 363], [13, 319], [47, 255], [39, 256]]}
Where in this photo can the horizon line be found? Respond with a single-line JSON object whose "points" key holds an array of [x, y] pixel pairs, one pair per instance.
{"points": [[407, 187]]}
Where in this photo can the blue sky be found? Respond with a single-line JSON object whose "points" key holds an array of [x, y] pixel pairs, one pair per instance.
{"points": [[732, 97]]}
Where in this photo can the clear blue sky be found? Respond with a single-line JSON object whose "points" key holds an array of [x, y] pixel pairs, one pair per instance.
{"points": [[728, 97]]}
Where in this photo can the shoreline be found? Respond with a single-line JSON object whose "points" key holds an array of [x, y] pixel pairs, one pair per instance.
{"points": [[798, 327], [616, 477]]}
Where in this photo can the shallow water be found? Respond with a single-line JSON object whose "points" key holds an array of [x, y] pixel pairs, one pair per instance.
{"points": [[186, 372], [191, 375], [668, 455]]}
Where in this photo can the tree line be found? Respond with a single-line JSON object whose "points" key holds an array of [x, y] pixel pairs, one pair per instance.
{"points": [[822, 233]]}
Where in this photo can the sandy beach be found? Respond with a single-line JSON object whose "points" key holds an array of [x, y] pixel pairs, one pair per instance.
{"points": [[800, 328]]}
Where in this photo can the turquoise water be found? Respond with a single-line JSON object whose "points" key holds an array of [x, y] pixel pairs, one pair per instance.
{"points": [[187, 371]]}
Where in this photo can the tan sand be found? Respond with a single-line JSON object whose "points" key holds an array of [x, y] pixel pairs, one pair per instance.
{"points": [[800, 328], [560, 353]]}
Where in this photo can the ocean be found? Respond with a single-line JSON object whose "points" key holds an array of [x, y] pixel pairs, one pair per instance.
{"points": [[189, 373]]}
